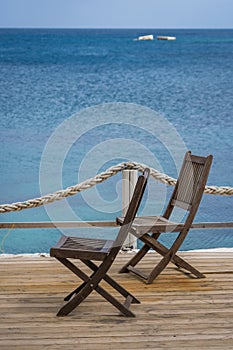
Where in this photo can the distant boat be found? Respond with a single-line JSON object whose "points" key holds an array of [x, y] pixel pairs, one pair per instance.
{"points": [[166, 37], [145, 37]]}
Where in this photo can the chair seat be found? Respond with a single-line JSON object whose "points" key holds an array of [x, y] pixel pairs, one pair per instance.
{"points": [[153, 224], [81, 248]]}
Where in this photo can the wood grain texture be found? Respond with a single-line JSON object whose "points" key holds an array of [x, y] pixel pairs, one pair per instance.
{"points": [[176, 312]]}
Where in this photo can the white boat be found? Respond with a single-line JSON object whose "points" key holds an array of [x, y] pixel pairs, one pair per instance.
{"points": [[145, 37], [162, 37]]}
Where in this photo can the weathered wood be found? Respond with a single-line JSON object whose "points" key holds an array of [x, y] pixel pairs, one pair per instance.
{"points": [[210, 225], [61, 224], [88, 250], [187, 195], [175, 311], [143, 225]]}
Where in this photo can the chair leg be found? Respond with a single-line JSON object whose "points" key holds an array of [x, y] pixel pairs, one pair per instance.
{"points": [[170, 255], [76, 291], [83, 294], [90, 284], [139, 255], [77, 299], [178, 261], [112, 282], [159, 268], [181, 263], [135, 259], [123, 308]]}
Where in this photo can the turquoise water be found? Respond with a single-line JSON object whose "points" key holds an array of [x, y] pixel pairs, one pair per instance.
{"points": [[49, 75]]}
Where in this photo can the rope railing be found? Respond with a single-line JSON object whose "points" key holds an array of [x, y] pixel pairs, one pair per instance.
{"points": [[72, 190]]}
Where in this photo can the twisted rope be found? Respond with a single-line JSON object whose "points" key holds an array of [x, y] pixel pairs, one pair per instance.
{"points": [[72, 190]]}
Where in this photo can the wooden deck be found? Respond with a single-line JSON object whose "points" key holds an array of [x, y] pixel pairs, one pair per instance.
{"points": [[176, 312]]}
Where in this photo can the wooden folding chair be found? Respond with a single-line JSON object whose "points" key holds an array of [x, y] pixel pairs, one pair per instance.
{"points": [[187, 195], [104, 251]]}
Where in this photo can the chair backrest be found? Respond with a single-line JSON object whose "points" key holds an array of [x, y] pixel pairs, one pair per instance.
{"points": [[190, 184], [132, 208]]}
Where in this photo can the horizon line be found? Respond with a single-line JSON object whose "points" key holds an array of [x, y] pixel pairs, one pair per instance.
{"points": [[124, 28]]}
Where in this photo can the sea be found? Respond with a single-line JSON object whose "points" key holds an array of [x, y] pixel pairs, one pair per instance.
{"points": [[74, 102]]}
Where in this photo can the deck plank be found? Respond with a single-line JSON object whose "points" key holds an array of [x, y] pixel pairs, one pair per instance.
{"points": [[175, 311]]}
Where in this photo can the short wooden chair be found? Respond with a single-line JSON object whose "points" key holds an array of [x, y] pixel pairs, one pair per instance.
{"points": [[104, 251], [187, 195]]}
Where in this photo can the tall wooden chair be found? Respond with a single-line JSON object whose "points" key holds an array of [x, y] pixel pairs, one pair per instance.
{"points": [[104, 251], [187, 195]]}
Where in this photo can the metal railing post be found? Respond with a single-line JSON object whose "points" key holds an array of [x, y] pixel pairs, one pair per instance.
{"points": [[129, 179]]}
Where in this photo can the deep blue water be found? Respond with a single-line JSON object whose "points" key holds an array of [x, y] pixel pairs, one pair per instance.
{"points": [[46, 76]]}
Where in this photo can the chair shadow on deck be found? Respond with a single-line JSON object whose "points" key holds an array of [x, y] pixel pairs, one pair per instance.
{"points": [[187, 195], [105, 251]]}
